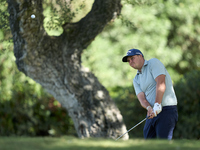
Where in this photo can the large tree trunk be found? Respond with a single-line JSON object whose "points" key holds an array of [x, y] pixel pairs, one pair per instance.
{"points": [[55, 63]]}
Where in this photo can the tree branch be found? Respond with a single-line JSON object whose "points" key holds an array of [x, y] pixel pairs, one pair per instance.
{"points": [[84, 31]]}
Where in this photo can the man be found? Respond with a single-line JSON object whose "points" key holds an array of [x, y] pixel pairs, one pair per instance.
{"points": [[154, 89]]}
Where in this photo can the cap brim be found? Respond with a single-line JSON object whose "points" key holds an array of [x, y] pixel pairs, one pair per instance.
{"points": [[124, 59]]}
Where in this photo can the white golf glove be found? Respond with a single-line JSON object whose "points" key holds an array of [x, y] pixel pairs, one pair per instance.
{"points": [[157, 108]]}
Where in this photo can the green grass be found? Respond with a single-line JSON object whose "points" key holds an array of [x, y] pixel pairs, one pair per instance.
{"points": [[73, 143]]}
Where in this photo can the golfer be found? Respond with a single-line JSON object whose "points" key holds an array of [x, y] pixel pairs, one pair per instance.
{"points": [[154, 89]]}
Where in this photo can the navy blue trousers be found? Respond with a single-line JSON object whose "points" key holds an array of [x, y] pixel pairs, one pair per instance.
{"points": [[162, 126]]}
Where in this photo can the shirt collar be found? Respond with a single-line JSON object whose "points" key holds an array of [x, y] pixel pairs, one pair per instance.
{"points": [[145, 64]]}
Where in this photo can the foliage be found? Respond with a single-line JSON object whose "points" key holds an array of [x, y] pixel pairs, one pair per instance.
{"points": [[72, 143], [188, 94], [28, 113], [184, 33], [58, 12], [167, 30], [4, 24]]}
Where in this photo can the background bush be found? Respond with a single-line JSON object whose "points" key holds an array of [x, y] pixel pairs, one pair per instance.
{"points": [[188, 94], [31, 114]]}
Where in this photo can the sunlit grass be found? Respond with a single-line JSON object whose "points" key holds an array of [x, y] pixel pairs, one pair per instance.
{"points": [[73, 143]]}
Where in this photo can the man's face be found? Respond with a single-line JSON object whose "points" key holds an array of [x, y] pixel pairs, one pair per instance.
{"points": [[135, 61]]}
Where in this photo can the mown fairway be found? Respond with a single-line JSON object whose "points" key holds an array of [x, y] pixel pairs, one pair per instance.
{"points": [[73, 143]]}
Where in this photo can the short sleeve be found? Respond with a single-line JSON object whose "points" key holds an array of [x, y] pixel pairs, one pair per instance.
{"points": [[157, 68], [136, 87]]}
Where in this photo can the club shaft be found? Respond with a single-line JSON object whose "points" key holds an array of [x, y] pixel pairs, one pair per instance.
{"points": [[132, 128]]}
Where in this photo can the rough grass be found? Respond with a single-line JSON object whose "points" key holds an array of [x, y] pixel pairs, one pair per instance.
{"points": [[73, 143]]}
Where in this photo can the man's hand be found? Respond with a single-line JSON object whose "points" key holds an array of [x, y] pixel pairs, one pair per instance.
{"points": [[157, 108], [150, 112]]}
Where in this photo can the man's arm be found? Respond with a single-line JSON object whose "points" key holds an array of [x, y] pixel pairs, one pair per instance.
{"points": [[160, 88], [145, 104]]}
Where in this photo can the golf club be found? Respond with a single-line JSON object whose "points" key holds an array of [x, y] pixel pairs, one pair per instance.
{"points": [[132, 128]]}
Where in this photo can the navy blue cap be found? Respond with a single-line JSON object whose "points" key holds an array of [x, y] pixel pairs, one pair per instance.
{"points": [[132, 52]]}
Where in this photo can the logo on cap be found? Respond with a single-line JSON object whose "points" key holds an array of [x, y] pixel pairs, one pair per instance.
{"points": [[128, 52]]}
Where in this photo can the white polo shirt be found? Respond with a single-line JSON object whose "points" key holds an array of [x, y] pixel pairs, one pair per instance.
{"points": [[145, 82]]}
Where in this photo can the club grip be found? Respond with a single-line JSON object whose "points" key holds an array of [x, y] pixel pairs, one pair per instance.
{"points": [[148, 117]]}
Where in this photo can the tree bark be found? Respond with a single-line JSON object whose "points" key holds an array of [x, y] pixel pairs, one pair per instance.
{"points": [[55, 63]]}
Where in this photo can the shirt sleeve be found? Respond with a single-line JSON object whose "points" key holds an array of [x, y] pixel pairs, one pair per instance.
{"points": [[157, 68], [136, 87]]}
